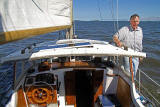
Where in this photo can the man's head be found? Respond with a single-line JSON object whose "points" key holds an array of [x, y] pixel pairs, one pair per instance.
{"points": [[134, 21]]}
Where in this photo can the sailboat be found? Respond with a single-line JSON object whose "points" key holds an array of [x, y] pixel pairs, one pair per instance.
{"points": [[63, 73]]}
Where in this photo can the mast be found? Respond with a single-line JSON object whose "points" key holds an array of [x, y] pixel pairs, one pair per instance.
{"points": [[69, 33]]}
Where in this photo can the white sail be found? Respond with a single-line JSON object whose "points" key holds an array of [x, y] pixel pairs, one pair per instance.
{"points": [[34, 16]]}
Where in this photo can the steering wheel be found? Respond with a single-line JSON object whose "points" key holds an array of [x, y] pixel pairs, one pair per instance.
{"points": [[40, 95]]}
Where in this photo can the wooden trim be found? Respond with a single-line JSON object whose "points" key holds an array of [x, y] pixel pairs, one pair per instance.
{"points": [[97, 84], [44, 66], [70, 91], [98, 92], [112, 75], [76, 64], [21, 99]]}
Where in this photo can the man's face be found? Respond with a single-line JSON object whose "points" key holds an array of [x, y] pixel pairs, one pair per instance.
{"points": [[134, 22]]}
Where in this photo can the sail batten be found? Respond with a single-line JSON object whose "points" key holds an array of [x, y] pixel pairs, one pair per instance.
{"points": [[26, 18]]}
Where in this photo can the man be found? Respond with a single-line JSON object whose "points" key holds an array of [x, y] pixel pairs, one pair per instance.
{"points": [[130, 36]]}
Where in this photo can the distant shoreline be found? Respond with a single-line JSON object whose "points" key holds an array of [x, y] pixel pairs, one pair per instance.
{"points": [[118, 20]]}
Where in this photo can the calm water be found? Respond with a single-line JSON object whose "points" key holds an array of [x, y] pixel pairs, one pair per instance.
{"points": [[99, 30]]}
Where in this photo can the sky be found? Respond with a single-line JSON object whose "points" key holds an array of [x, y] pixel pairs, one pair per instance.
{"points": [[107, 9]]}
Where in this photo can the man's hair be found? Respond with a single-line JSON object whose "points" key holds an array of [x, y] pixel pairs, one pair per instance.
{"points": [[134, 15]]}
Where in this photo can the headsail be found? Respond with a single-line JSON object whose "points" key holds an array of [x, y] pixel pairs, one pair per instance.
{"points": [[26, 18]]}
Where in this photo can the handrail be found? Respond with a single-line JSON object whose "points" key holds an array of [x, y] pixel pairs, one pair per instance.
{"points": [[150, 78], [150, 94], [140, 85]]}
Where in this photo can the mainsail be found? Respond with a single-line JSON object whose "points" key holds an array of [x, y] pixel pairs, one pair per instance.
{"points": [[26, 18]]}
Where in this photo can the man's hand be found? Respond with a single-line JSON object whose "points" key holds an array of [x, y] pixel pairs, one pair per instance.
{"points": [[117, 41], [119, 44]]}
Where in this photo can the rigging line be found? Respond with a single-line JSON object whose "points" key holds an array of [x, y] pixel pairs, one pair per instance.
{"points": [[37, 6], [150, 78], [117, 16], [113, 17], [99, 9], [74, 28], [112, 10]]}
